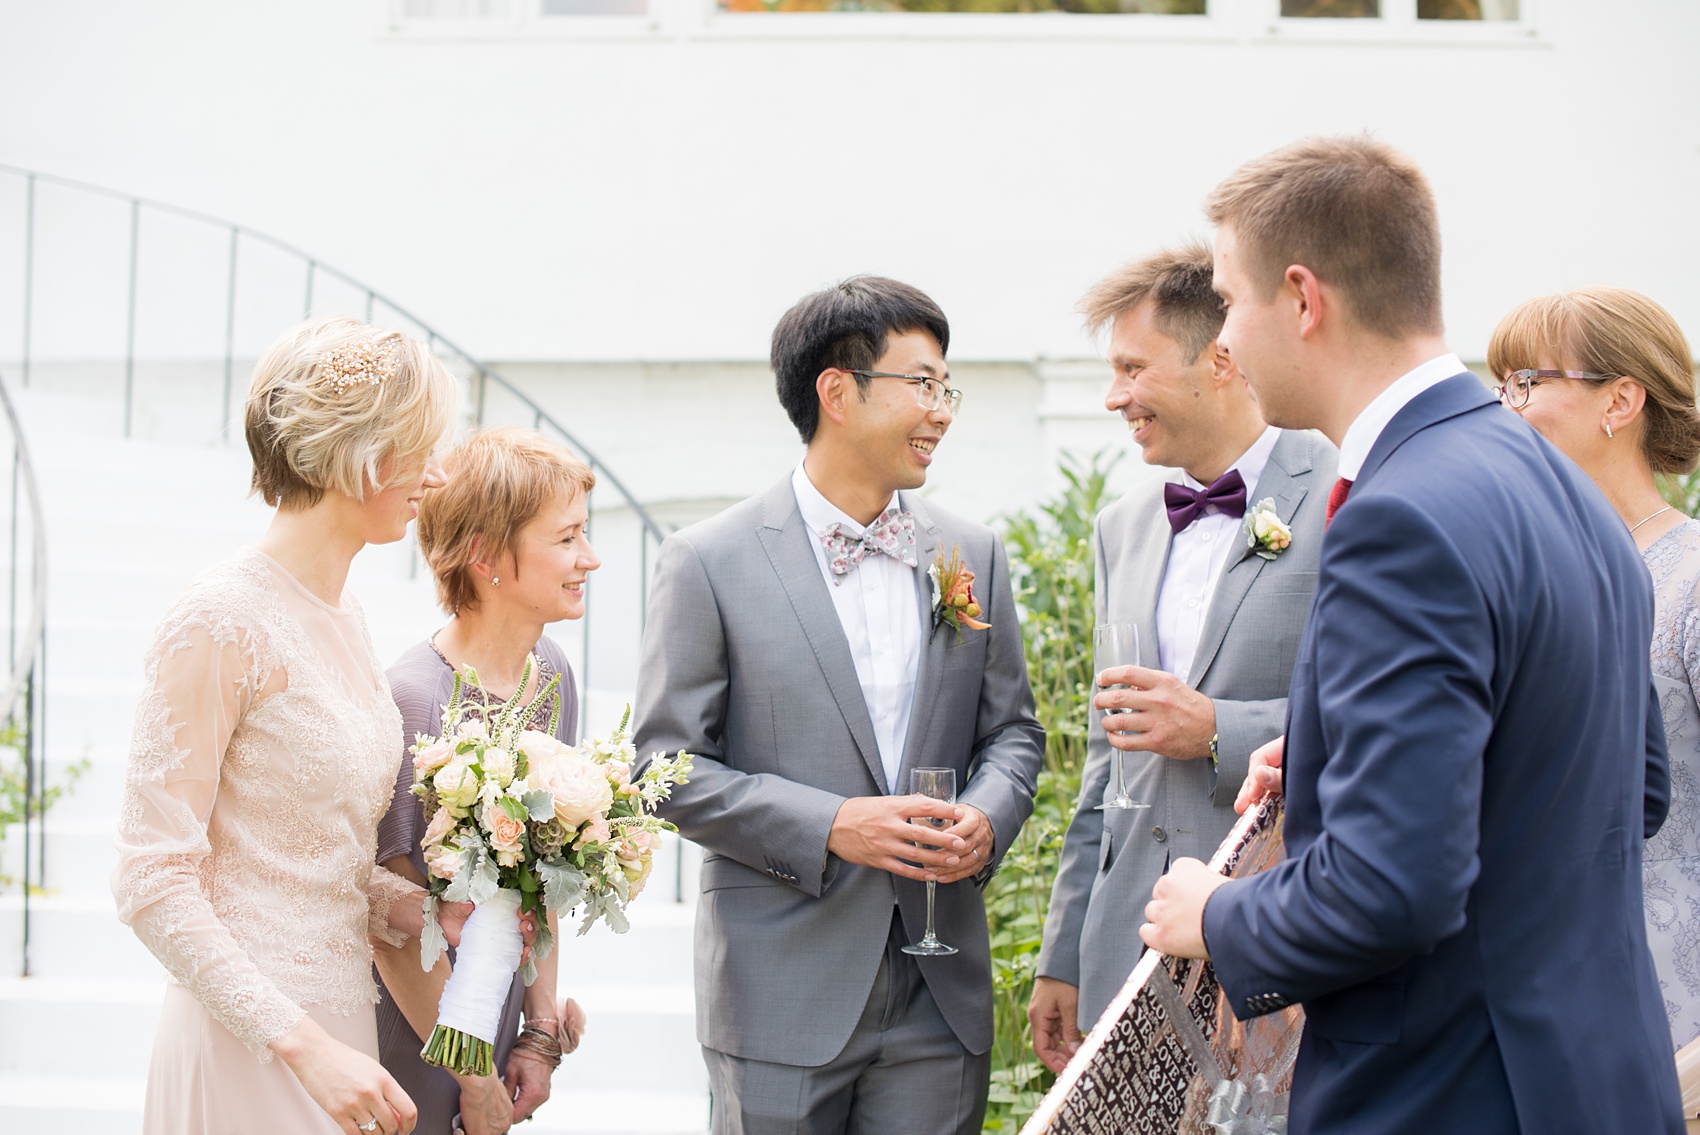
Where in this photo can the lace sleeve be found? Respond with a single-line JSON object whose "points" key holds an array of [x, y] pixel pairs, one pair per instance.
{"points": [[202, 674], [382, 891]]}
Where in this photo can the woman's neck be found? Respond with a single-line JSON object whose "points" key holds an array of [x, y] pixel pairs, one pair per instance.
{"points": [[492, 642], [1629, 487], [316, 545]]}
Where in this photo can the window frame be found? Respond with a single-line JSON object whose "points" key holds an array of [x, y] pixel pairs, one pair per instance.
{"points": [[1245, 21]]}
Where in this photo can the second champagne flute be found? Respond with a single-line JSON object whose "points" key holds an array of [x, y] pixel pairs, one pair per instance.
{"points": [[939, 784], [1115, 644]]}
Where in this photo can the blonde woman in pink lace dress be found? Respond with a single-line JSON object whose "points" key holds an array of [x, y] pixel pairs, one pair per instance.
{"points": [[264, 756]]}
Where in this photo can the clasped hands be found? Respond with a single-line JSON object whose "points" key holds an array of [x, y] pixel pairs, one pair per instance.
{"points": [[874, 831], [1162, 714]]}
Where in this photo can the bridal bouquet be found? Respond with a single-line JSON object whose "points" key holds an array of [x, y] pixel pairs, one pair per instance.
{"points": [[520, 822]]}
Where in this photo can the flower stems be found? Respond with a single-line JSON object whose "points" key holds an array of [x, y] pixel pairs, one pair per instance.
{"points": [[459, 1052]]}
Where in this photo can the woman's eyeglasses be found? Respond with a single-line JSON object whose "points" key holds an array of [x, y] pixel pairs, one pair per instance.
{"points": [[1515, 392]]}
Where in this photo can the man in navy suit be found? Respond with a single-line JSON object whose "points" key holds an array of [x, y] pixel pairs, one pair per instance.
{"points": [[1473, 753]]}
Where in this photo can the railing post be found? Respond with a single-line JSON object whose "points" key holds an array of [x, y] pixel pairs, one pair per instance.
{"points": [[229, 336], [130, 326], [29, 267], [371, 298], [24, 751], [483, 385], [307, 308]]}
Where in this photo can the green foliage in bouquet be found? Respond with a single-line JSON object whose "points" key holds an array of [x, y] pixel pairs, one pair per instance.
{"points": [[1050, 554]]}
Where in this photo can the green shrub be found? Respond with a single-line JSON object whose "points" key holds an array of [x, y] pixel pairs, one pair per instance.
{"points": [[1050, 552]]}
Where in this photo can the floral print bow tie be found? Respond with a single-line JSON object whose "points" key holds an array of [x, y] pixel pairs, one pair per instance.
{"points": [[892, 533]]}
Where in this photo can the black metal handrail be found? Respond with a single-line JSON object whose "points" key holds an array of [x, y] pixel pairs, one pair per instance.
{"points": [[27, 655], [651, 531]]}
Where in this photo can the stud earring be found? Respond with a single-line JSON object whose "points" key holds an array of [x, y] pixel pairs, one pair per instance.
{"points": [[1608, 429], [495, 581]]}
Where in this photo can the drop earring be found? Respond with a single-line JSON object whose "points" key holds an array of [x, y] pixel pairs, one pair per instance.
{"points": [[1608, 429]]}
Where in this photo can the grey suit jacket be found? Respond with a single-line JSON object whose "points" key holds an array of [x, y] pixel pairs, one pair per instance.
{"points": [[746, 665], [1110, 860]]}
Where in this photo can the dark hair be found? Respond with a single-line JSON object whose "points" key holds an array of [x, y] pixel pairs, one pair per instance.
{"points": [[1178, 282], [1356, 212], [844, 327]]}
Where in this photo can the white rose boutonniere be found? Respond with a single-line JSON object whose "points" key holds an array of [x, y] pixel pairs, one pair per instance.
{"points": [[1264, 531]]}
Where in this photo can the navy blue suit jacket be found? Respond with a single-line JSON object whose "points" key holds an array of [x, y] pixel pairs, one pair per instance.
{"points": [[1474, 757]]}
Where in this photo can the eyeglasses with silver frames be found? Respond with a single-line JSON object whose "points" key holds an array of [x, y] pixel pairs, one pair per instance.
{"points": [[1515, 392], [930, 393]]}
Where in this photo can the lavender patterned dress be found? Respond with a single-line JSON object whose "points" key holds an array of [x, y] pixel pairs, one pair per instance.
{"points": [[1670, 873]]}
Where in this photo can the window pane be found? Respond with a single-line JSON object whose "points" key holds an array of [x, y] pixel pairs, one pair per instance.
{"points": [[595, 7], [1096, 7], [1468, 9], [1331, 9]]}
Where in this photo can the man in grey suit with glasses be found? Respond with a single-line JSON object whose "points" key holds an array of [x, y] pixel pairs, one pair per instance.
{"points": [[797, 644], [1219, 618]]}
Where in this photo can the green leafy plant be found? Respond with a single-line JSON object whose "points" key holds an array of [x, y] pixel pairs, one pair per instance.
{"points": [[14, 786], [1681, 490], [1050, 553]]}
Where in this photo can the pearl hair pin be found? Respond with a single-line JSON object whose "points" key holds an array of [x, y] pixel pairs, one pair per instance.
{"points": [[358, 364]]}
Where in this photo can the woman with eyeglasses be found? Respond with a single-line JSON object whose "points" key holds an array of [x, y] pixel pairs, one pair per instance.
{"points": [[1606, 375]]}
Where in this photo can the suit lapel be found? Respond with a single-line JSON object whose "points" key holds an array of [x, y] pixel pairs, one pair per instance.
{"points": [[1288, 461], [785, 539], [929, 544], [1446, 399]]}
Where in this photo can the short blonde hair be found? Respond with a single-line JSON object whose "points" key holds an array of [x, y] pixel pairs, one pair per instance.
{"points": [[1177, 281], [1356, 212], [1616, 332], [499, 480], [333, 400]]}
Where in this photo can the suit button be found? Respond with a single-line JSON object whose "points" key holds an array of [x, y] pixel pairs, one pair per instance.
{"points": [[1159, 834]]}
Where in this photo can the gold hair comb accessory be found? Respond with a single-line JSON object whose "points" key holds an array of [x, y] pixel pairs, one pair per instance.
{"points": [[357, 363]]}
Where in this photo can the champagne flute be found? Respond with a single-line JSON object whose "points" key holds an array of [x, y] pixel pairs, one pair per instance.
{"points": [[1116, 644], [939, 784]]}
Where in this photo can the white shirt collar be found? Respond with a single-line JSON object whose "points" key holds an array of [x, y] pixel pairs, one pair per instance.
{"points": [[1367, 427], [818, 512], [1250, 464]]}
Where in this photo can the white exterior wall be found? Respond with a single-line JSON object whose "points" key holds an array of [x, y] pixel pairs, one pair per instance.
{"points": [[608, 189]]}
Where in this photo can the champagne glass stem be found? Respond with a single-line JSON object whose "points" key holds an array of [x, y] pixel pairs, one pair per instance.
{"points": [[930, 937], [1121, 778]]}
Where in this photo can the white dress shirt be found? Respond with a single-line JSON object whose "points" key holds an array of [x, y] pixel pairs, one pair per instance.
{"points": [[880, 611], [1366, 428], [1197, 555]]}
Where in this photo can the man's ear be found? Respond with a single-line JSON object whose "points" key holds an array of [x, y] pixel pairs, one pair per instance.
{"points": [[834, 387], [1304, 291], [1222, 368]]}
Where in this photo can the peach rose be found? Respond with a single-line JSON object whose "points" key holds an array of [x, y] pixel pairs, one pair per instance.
{"points": [[441, 825], [581, 791], [432, 757], [440, 861], [505, 831], [597, 831]]}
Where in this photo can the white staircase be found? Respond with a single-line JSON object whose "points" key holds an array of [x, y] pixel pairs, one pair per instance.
{"points": [[129, 522]]}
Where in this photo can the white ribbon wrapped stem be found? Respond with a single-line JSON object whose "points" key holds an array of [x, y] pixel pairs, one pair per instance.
{"points": [[490, 947]]}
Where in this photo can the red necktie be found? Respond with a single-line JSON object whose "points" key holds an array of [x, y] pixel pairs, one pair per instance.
{"points": [[1336, 497]]}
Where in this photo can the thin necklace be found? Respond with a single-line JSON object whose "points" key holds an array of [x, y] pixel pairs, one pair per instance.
{"points": [[1644, 520]]}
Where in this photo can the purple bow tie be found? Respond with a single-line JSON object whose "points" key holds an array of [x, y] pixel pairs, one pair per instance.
{"points": [[1225, 495], [892, 533]]}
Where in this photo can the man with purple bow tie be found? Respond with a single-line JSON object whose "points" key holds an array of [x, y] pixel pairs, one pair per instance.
{"points": [[1220, 599], [796, 645]]}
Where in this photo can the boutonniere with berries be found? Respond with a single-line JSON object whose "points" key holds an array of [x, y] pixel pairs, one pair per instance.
{"points": [[1265, 533], [953, 594]]}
